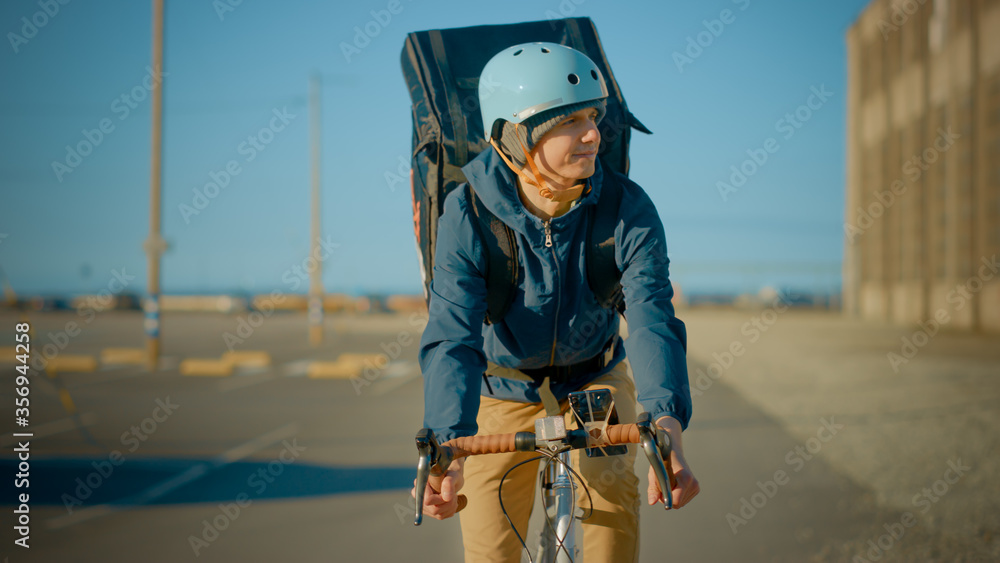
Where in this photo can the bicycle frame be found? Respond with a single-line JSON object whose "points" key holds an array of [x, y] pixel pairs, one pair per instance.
{"points": [[558, 500]]}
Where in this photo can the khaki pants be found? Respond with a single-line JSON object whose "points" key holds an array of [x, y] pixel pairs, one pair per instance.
{"points": [[612, 531]]}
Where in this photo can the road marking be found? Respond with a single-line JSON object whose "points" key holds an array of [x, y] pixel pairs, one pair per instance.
{"points": [[251, 370], [191, 474], [400, 369], [396, 375], [168, 363], [52, 428], [392, 384], [245, 381], [111, 376], [296, 369], [258, 443]]}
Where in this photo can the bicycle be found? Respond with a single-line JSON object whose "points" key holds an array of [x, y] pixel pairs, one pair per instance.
{"points": [[594, 412]]}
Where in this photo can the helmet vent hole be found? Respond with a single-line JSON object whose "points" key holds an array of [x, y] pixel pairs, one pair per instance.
{"points": [[593, 73], [544, 50], [518, 52], [573, 79]]}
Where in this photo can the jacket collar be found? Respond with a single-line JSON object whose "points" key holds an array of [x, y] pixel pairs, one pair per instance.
{"points": [[496, 186]]}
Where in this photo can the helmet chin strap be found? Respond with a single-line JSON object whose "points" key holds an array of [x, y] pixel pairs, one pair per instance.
{"points": [[544, 188]]}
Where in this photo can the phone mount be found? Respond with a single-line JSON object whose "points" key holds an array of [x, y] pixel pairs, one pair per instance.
{"points": [[594, 410]]}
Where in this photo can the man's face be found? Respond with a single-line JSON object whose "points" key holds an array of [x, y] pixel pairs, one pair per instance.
{"points": [[568, 152]]}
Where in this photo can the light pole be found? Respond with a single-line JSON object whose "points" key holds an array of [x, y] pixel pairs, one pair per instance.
{"points": [[316, 276], [154, 246]]}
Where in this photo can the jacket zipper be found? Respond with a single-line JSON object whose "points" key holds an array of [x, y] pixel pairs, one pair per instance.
{"points": [[555, 259]]}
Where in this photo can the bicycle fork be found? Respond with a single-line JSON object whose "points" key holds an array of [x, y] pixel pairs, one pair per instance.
{"points": [[558, 495]]}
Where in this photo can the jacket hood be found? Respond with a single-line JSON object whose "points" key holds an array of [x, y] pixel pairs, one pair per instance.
{"points": [[496, 186]]}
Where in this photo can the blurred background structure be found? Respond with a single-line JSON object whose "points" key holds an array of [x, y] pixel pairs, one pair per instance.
{"points": [[923, 180]]}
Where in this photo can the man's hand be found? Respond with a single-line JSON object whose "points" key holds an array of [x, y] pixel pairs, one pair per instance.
{"points": [[687, 486], [444, 503], [685, 490]]}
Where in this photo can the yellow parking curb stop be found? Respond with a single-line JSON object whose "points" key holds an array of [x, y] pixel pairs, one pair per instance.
{"points": [[66, 363], [247, 358], [206, 367], [123, 356], [333, 370]]}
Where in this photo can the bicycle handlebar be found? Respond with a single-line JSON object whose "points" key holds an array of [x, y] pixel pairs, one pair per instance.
{"points": [[615, 434], [435, 459]]}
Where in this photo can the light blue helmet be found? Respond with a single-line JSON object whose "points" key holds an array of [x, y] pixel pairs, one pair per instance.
{"points": [[529, 78]]}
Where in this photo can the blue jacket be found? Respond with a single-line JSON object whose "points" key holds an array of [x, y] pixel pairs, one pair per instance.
{"points": [[554, 318]]}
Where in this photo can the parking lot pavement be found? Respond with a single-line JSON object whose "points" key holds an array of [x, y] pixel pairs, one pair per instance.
{"points": [[918, 406], [807, 444]]}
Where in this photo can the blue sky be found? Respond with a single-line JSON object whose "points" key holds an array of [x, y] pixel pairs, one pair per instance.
{"points": [[228, 74]]}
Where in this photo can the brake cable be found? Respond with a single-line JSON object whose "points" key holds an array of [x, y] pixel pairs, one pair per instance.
{"points": [[574, 478]]}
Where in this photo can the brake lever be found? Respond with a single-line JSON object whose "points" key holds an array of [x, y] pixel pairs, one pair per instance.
{"points": [[657, 447], [427, 449], [433, 462]]}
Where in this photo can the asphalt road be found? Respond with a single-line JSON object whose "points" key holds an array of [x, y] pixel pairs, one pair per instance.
{"points": [[270, 465]]}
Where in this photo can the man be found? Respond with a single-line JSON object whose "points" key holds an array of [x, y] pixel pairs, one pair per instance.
{"points": [[539, 178]]}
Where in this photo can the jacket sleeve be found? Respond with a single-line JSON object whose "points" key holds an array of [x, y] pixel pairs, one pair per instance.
{"points": [[451, 347], [657, 340]]}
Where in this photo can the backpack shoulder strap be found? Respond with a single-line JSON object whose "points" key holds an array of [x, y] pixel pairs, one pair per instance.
{"points": [[602, 271], [501, 260]]}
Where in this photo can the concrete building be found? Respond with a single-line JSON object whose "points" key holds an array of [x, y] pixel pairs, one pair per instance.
{"points": [[922, 222]]}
